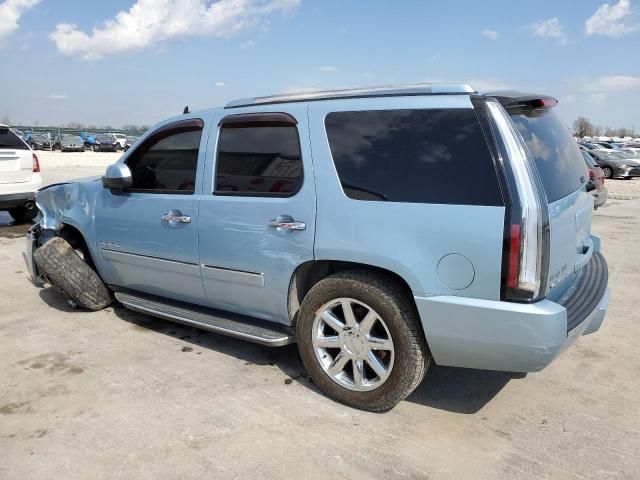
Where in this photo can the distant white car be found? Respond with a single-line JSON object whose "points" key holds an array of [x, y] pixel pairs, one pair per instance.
{"points": [[20, 177], [121, 139]]}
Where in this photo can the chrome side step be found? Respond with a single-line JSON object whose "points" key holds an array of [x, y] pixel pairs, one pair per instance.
{"points": [[232, 325]]}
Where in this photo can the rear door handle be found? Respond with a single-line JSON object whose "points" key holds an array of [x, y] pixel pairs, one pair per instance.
{"points": [[175, 217], [286, 222]]}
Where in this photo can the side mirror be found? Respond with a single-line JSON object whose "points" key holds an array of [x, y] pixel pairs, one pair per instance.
{"points": [[117, 177]]}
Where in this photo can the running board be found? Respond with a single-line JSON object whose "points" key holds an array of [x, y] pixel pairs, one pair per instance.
{"points": [[253, 330]]}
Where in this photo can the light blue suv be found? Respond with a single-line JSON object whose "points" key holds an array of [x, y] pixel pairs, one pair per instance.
{"points": [[381, 229]]}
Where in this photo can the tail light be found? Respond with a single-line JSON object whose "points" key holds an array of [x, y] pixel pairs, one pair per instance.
{"points": [[526, 245], [36, 164]]}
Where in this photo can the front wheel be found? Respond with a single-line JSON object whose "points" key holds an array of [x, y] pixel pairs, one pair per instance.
{"points": [[608, 173], [66, 269], [360, 339]]}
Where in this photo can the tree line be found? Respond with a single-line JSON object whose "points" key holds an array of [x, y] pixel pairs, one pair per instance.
{"points": [[583, 127]]}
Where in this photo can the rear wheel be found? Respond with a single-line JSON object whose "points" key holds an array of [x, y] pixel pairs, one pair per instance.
{"points": [[24, 213], [360, 339], [608, 173]]}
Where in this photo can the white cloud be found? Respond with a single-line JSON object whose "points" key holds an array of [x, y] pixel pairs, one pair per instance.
{"points": [[57, 96], [599, 89], [610, 20], [597, 98], [551, 28], [619, 82], [327, 69], [490, 34], [149, 22], [487, 84], [221, 84], [10, 13]]}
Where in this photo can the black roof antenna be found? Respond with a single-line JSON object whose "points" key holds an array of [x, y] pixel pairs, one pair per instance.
{"points": [[186, 110]]}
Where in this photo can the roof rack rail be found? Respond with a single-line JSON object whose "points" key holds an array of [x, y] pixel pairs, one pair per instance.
{"points": [[360, 92]]}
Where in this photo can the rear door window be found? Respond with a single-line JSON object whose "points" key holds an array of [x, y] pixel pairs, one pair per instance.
{"points": [[258, 158], [415, 156], [9, 139], [554, 151]]}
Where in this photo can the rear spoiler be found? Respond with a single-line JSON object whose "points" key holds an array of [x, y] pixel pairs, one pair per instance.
{"points": [[513, 100]]}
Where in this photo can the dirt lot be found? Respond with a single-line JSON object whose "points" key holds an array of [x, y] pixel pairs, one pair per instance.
{"points": [[116, 394]]}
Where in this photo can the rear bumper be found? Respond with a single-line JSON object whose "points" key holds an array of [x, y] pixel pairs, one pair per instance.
{"points": [[15, 199], [505, 336]]}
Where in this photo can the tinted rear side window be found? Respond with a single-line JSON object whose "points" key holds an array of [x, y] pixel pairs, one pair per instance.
{"points": [[259, 161], [9, 139], [418, 156], [554, 150]]}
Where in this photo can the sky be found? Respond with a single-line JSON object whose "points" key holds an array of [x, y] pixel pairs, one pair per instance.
{"points": [[136, 62]]}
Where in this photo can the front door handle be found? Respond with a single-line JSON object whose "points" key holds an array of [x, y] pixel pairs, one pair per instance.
{"points": [[175, 217], [286, 222]]}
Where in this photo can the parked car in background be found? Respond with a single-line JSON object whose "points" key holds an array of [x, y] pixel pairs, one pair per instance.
{"points": [[72, 143], [596, 175], [131, 140], [40, 141], [19, 176], [88, 138], [615, 164], [367, 255], [592, 146], [121, 138], [105, 143]]}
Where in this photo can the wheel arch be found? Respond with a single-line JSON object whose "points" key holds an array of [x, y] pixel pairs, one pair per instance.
{"points": [[74, 236], [311, 272]]}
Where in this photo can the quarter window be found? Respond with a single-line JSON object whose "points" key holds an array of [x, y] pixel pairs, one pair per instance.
{"points": [[258, 159], [168, 161], [416, 156]]}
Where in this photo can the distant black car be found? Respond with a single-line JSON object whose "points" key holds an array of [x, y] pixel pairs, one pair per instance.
{"points": [[40, 142], [616, 164], [105, 143]]}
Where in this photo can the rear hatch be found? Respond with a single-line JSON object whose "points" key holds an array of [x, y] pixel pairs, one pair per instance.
{"points": [[563, 173], [16, 158]]}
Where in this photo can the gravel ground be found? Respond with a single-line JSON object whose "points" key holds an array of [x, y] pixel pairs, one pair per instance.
{"points": [[115, 394]]}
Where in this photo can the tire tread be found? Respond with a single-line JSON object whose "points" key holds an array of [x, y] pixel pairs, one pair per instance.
{"points": [[65, 270]]}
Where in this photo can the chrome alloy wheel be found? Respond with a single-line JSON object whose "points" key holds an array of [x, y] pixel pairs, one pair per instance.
{"points": [[352, 344]]}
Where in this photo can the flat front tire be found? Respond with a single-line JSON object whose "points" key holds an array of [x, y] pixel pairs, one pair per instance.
{"points": [[66, 270], [360, 339]]}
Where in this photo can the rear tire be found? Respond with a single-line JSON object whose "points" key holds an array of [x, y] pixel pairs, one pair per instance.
{"points": [[608, 173], [24, 213], [400, 367], [64, 269]]}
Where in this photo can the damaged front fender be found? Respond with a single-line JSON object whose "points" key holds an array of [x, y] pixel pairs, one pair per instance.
{"points": [[67, 203]]}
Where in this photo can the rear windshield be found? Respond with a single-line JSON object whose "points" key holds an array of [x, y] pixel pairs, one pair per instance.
{"points": [[554, 150], [418, 156], [9, 139]]}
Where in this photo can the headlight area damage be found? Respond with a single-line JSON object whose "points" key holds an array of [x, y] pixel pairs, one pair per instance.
{"points": [[57, 250]]}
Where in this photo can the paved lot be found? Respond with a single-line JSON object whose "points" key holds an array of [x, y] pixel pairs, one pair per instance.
{"points": [[115, 394]]}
